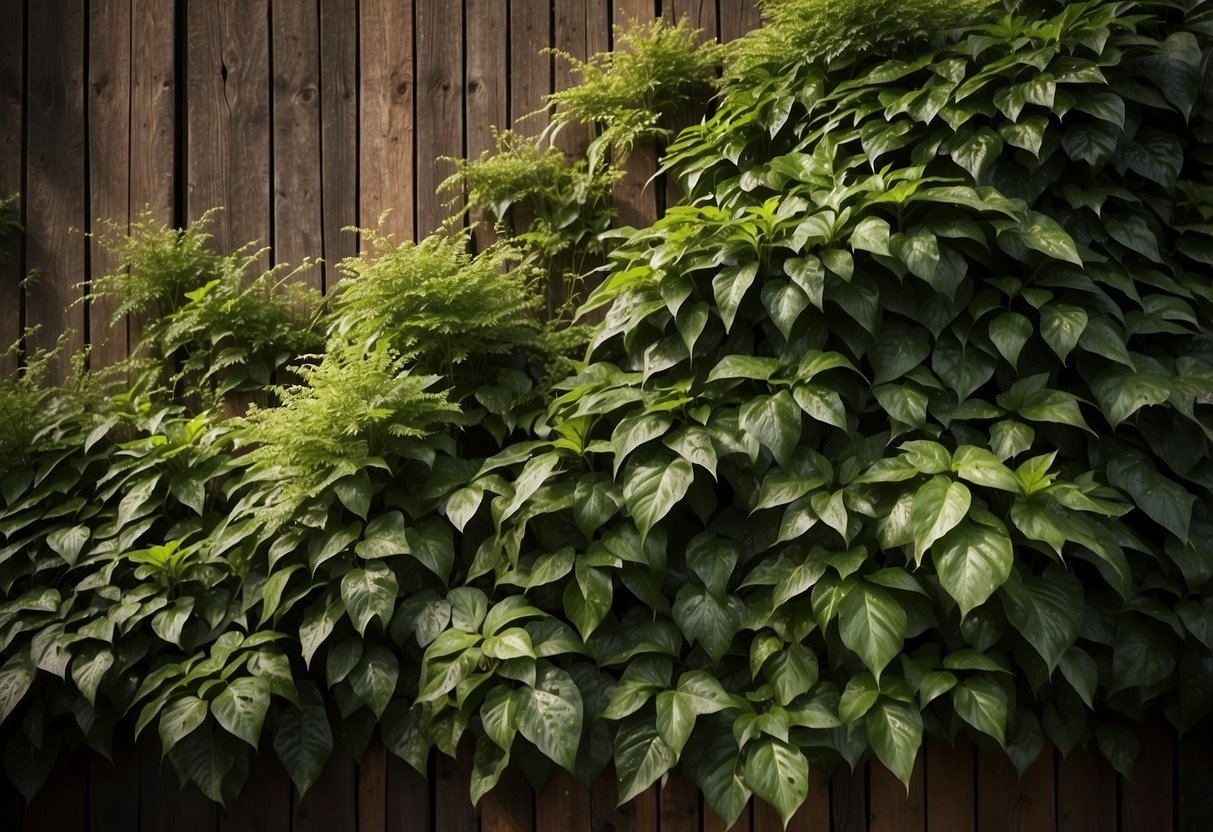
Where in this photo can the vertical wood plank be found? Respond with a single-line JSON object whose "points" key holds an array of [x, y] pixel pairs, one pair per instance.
{"points": [[386, 94], [701, 13], [640, 814], [1007, 801], [582, 29], [510, 806], [331, 802], [563, 805], [1086, 793], [114, 793], [453, 809], [634, 198], [264, 804], [56, 211], [163, 804], [679, 802], [486, 96], [12, 149], [439, 106], [849, 799], [109, 140], [950, 779], [1193, 779], [372, 789], [298, 218], [228, 151], [60, 804], [738, 17], [154, 139], [1146, 801], [891, 808], [813, 815], [713, 823], [338, 133], [530, 69], [409, 798]]}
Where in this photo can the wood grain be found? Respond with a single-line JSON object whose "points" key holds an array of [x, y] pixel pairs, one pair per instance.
{"points": [[410, 806], [264, 805], [679, 805], [109, 140], [1086, 793], [453, 809], [891, 806], [849, 799], [385, 93], [486, 99], [228, 150], [331, 803], [563, 805], [154, 139], [338, 133], [56, 210], [1009, 802], [1146, 801], [510, 806], [12, 149], [634, 197], [372, 789], [950, 779], [530, 69], [737, 17], [439, 107], [640, 814], [298, 208]]}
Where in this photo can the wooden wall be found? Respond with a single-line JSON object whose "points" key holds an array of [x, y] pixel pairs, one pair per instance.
{"points": [[299, 117], [954, 789]]}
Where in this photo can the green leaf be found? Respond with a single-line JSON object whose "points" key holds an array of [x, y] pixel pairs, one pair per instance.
{"points": [[778, 773], [784, 303], [433, 545], [872, 624], [634, 431], [1158, 496], [1121, 392], [821, 403], [775, 422], [973, 560], [871, 234], [791, 672], [715, 766], [368, 593], [1093, 143], [384, 537], [1042, 233], [904, 403], [982, 702], [1062, 325], [939, 505], [641, 756], [595, 501], [975, 153], [1120, 746], [675, 720], [241, 708], [501, 714], [1009, 438], [1047, 611], [730, 287], [1009, 332], [858, 697], [179, 718], [895, 731], [303, 739], [707, 619], [16, 677], [977, 465], [68, 542], [654, 486], [809, 275], [355, 493], [713, 558], [88, 669], [551, 715], [374, 678], [489, 761], [587, 600], [920, 253]]}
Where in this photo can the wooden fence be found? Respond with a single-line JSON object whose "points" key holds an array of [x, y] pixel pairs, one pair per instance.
{"points": [[299, 117], [954, 789]]}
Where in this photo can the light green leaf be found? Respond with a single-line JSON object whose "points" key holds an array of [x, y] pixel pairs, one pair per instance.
{"points": [[653, 486], [939, 505], [973, 560], [68, 542], [977, 465], [982, 702], [778, 773], [822, 403], [675, 719], [872, 624], [1062, 325], [551, 715], [179, 718], [730, 287], [241, 708], [895, 731], [368, 593]]}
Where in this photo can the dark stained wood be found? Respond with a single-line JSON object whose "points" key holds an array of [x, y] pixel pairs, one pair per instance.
{"points": [[163, 804], [485, 97], [338, 132], [582, 30], [1086, 793], [1009, 802], [563, 805], [510, 806], [372, 789], [679, 802], [738, 17], [640, 814], [849, 799], [264, 805], [634, 197], [950, 778], [893, 808], [12, 94], [113, 788], [109, 128], [59, 806], [386, 113], [440, 83], [713, 823], [56, 210], [1195, 778], [331, 802], [1146, 801], [453, 808], [153, 108], [298, 214], [813, 814], [530, 69], [228, 151], [409, 798]]}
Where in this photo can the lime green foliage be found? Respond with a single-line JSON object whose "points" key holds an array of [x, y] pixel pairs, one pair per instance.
{"points": [[224, 329], [9, 222], [654, 69]]}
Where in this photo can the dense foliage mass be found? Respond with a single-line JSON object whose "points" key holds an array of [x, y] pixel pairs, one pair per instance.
{"points": [[900, 424]]}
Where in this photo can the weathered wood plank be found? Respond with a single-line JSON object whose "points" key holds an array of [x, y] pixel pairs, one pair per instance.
{"points": [[228, 100], [372, 789], [849, 799], [338, 132], [114, 789], [331, 803], [582, 30], [439, 106], [12, 149], [893, 808], [386, 113], [738, 17], [453, 808], [679, 805], [640, 814], [298, 217], [1007, 801], [530, 69], [265, 802], [154, 140], [486, 96], [563, 805], [410, 806], [510, 806], [634, 197], [1086, 793], [1146, 801], [56, 211], [701, 13], [950, 777], [109, 140]]}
